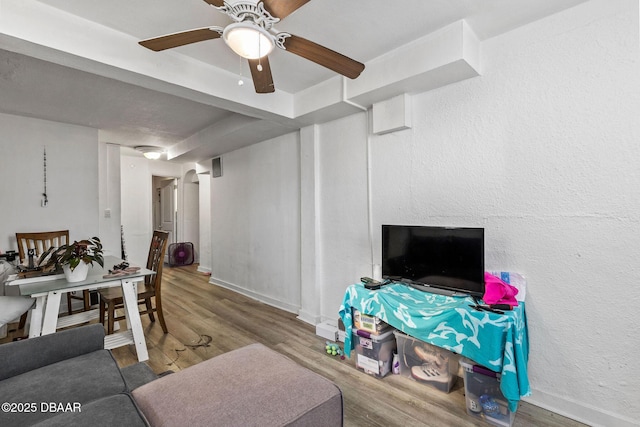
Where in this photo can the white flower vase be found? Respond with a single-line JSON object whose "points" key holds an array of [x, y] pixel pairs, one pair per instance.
{"points": [[78, 274]]}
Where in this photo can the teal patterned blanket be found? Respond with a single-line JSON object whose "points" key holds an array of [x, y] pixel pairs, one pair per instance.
{"points": [[497, 341]]}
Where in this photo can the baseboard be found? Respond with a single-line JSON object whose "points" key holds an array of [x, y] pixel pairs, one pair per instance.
{"points": [[578, 411], [309, 318], [255, 295], [303, 315], [203, 269]]}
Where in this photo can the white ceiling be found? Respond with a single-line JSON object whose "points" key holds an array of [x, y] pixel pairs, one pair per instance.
{"points": [[77, 61]]}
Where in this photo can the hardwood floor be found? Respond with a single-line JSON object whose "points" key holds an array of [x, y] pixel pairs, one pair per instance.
{"points": [[205, 320]]}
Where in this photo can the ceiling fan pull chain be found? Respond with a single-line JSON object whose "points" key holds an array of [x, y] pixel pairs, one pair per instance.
{"points": [[240, 81], [259, 67]]}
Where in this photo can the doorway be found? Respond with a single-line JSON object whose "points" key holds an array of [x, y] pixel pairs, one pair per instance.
{"points": [[165, 206]]}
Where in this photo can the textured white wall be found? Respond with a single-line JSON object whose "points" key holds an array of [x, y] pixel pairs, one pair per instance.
{"points": [[72, 186], [136, 181], [109, 198], [204, 227], [191, 212], [136, 207], [344, 236], [255, 222], [541, 150]]}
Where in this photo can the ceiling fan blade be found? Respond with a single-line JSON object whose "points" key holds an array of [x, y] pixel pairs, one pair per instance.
{"points": [[282, 8], [262, 80], [218, 3], [323, 56], [180, 39]]}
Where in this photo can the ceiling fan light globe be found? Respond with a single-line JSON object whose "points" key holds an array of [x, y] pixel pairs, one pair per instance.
{"points": [[152, 155], [248, 40], [150, 152]]}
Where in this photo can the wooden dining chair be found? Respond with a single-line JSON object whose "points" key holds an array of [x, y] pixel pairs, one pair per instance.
{"points": [[111, 298], [40, 242]]}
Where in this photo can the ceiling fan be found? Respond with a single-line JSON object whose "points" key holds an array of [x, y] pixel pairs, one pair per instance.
{"points": [[252, 36]]}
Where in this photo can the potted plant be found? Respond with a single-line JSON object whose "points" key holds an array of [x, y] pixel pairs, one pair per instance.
{"points": [[74, 258]]}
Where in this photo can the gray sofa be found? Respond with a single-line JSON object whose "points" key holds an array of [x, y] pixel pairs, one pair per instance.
{"points": [[68, 379]]}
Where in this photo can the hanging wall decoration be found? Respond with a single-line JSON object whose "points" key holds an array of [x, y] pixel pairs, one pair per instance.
{"points": [[45, 200]]}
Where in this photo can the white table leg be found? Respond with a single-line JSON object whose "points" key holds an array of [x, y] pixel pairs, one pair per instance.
{"points": [[37, 314], [130, 298], [51, 313]]}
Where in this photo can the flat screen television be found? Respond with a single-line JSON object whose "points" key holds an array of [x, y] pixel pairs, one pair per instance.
{"points": [[450, 259]]}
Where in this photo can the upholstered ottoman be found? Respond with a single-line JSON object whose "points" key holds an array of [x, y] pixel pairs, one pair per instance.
{"points": [[250, 386]]}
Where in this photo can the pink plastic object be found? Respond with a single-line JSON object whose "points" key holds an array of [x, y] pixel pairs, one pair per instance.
{"points": [[497, 291]]}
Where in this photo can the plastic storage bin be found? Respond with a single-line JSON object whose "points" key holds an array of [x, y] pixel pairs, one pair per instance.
{"points": [[426, 363], [369, 323], [483, 396], [374, 353]]}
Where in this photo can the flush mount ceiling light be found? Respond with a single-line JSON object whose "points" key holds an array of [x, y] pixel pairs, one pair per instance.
{"points": [[248, 39], [151, 153]]}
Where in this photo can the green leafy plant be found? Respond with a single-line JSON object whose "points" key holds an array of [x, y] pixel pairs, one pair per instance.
{"points": [[87, 251]]}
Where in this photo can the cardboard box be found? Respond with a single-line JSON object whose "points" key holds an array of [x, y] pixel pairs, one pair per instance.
{"points": [[369, 323], [328, 329]]}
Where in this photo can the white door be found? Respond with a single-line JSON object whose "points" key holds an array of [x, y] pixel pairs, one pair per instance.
{"points": [[168, 210]]}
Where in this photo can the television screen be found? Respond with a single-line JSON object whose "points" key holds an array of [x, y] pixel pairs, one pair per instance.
{"points": [[447, 258]]}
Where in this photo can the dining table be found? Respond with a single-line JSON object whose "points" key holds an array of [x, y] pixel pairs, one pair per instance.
{"points": [[47, 291]]}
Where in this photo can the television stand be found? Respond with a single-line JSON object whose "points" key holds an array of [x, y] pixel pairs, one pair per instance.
{"points": [[497, 341]]}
